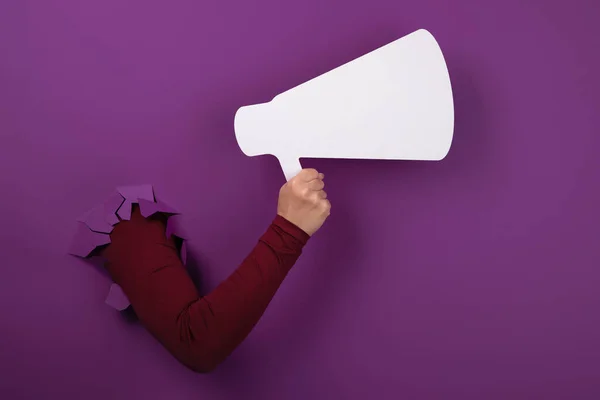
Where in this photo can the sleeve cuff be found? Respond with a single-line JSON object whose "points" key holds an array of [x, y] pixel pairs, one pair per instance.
{"points": [[291, 229]]}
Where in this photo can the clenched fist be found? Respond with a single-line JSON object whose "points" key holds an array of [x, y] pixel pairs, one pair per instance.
{"points": [[303, 202]]}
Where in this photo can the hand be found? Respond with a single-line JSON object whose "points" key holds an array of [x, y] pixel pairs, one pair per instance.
{"points": [[303, 202]]}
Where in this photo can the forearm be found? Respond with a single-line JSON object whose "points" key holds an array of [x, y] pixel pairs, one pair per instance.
{"points": [[201, 331], [228, 314]]}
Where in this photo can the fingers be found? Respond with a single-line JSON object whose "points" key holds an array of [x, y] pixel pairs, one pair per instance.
{"points": [[308, 174], [308, 179], [316, 184], [309, 184]]}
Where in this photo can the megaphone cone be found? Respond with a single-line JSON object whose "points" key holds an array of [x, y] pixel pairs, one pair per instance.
{"points": [[394, 103]]}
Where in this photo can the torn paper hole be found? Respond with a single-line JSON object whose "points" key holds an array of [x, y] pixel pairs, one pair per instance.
{"points": [[94, 227]]}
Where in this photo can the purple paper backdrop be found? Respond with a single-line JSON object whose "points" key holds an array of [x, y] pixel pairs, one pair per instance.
{"points": [[473, 278]]}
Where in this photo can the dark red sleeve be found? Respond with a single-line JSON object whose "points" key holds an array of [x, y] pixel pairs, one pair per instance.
{"points": [[199, 331]]}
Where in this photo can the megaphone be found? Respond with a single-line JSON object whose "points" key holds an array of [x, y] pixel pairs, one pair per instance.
{"points": [[394, 103]]}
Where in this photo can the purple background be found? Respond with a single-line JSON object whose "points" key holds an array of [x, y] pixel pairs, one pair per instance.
{"points": [[472, 278]]}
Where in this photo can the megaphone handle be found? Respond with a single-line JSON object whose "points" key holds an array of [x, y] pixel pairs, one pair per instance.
{"points": [[290, 167]]}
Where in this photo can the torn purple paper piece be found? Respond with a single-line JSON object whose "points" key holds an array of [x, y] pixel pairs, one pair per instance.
{"points": [[116, 298], [183, 253], [174, 227], [111, 205], [136, 192], [133, 194], [85, 241], [96, 221], [125, 210], [149, 208], [102, 218]]}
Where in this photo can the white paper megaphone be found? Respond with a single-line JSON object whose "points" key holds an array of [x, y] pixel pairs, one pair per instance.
{"points": [[394, 103]]}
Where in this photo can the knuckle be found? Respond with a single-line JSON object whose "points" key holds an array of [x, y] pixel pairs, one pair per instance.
{"points": [[295, 185], [311, 173]]}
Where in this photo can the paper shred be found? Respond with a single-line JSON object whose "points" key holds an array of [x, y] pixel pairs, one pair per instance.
{"points": [[174, 227], [85, 241], [183, 253], [96, 221], [134, 193], [116, 298], [124, 211], [149, 208], [111, 205]]}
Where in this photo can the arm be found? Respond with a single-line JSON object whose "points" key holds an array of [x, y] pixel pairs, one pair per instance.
{"points": [[202, 331]]}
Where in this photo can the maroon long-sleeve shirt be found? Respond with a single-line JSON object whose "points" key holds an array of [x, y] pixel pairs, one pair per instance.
{"points": [[200, 331]]}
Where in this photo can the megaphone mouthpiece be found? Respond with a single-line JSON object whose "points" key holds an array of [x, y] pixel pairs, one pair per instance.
{"points": [[248, 121]]}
